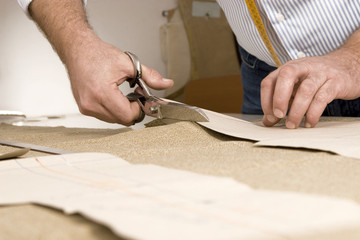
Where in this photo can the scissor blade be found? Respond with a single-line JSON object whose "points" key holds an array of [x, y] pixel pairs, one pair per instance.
{"points": [[180, 111], [164, 108]]}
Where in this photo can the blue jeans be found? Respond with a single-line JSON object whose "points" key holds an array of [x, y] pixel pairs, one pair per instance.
{"points": [[253, 71]]}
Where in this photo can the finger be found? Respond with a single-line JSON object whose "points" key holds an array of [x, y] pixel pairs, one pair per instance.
{"points": [[112, 107], [266, 93], [121, 109], [304, 94], [289, 75], [323, 96], [98, 111], [154, 80], [89, 107]]}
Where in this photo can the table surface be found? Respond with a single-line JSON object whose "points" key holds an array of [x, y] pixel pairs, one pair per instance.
{"points": [[182, 145]]}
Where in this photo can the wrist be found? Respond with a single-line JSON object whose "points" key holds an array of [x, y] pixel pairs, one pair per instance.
{"points": [[77, 45]]}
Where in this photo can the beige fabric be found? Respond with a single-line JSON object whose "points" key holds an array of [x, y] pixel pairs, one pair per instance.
{"points": [[188, 146], [27, 222]]}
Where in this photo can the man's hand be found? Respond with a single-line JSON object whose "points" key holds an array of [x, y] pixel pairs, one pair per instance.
{"points": [[95, 68], [305, 86], [96, 72]]}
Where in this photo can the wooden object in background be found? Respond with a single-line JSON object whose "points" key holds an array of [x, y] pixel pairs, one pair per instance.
{"points": [[220, 94]]}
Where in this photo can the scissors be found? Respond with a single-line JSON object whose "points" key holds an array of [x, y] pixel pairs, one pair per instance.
{"points": [[157, 107]]}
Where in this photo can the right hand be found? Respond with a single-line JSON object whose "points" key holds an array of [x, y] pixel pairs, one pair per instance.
{"points": [[96, 69]]}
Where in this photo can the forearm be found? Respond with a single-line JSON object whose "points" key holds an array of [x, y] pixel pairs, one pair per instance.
{"points": [[95, 68], [64, 23]]}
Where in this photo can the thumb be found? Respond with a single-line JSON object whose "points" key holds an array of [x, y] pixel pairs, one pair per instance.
{"points": [[154, 80]]}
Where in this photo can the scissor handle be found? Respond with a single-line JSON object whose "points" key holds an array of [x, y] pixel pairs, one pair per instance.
{"points": [[138, 75], [132, 97]]}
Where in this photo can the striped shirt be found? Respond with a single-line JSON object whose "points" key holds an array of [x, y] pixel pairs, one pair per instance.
{"points": [[296, 28]]}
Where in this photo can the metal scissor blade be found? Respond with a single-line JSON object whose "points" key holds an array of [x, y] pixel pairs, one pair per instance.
{"points": [[180, 111], [163, 108]]}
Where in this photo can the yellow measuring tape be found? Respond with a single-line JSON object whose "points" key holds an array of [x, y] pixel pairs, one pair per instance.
{"points": [[255, 15]]}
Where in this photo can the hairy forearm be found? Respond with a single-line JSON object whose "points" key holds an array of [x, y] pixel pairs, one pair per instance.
{"points": [[64, 23]]}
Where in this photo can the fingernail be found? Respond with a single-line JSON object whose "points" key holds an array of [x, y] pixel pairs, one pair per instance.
{"points": [[308, 125], [290, 125], [271, 118], [167, 80], [278, 113]]}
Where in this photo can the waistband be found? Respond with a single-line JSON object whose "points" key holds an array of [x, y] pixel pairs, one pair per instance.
{"points": [[253, 62]]}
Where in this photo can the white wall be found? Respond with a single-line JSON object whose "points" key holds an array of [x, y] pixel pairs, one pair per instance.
{"points": [[33, 79]]}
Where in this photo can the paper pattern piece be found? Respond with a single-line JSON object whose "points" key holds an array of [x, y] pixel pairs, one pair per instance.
{"points": [[341, 137], [152, 202]]}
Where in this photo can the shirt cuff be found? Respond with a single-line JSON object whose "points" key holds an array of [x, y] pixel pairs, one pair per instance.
{"points": [[25, 5]]}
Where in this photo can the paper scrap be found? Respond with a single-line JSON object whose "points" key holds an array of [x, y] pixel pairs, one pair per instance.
{"points": [[152, 202]]}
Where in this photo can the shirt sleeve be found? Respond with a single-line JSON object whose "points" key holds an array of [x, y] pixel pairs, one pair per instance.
{"points": [[24, 4]]}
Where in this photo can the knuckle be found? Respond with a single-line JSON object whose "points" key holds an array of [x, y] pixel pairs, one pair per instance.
{"points": [[266, 84], [337, 89], [154, 75], [307, 89], [88, 102], [287, 71], [127, 119], [127, 115], [322, 97], [311, 118], [85, 107]]}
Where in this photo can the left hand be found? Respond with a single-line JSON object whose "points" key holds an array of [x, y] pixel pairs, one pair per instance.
{"points": [[305, 86]]}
